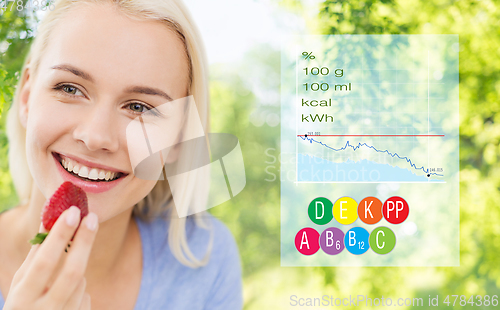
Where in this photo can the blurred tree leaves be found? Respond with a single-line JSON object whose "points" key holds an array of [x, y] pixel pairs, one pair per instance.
{"points": [[244, 99], [477, 23], [16, 34], [478, 26], [360, 17]]}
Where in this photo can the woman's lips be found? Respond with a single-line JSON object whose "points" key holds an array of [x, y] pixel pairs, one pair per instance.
{"points": [[89, 186]]}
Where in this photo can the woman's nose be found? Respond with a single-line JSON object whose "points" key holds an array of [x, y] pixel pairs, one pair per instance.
{"points": [[97, 130]]}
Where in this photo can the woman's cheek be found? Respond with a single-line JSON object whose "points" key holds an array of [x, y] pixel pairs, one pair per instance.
{"points": [[46, 126], [47, 122]]}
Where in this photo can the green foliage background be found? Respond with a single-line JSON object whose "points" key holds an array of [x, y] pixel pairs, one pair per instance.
{"points": [[16, 34], [241, 105]]}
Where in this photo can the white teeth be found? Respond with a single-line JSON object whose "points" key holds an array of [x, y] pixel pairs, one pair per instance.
{"points": [[84, 172], [93, 174]]}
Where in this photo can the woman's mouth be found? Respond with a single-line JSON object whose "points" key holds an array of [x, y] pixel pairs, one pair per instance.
{"points": [[87, 173], [90, 177]]}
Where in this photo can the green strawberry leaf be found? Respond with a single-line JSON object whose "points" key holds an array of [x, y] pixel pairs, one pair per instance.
{"points": [[38, 238]]}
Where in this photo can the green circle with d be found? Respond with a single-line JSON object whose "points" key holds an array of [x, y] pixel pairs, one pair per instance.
{"points": [[320, 211], [382, 240]]}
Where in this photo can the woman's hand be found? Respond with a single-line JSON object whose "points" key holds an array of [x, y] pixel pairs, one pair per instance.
{"points": [[51, 279]]}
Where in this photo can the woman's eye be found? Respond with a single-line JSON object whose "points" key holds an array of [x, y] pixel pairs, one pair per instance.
{"points": [[70, 89], [137, 107]]}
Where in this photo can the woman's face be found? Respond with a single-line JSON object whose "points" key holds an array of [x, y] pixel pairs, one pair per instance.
{"points": [[101, 69]]}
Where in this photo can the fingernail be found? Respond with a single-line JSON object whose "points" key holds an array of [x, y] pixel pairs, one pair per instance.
{"points": [[73, 216], [91, 221]]}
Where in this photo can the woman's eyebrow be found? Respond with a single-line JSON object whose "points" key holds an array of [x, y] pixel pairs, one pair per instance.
{"points": [[148, 91], [75, 71], [133, 89]]}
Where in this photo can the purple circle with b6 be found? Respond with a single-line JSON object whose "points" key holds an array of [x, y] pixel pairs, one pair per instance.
{"points": [[332, 241]]}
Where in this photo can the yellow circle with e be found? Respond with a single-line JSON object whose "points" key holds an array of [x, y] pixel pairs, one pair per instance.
{"points": [[345, 210]]}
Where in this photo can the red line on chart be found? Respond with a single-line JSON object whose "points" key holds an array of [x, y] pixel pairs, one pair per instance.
{"points": [[370, 135]]}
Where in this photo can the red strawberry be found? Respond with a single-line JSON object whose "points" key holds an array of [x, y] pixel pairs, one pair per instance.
{"points": [[66, 195]]}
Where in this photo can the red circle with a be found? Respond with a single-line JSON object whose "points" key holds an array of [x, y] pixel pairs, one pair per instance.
{"points": [[307, 241], [395, 210]]}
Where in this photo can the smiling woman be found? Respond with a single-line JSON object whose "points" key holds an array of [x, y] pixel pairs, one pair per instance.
{"points": [[93, 68]]}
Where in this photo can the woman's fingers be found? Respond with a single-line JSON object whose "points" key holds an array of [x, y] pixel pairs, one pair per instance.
{"points": [[76, 298], [85, 302], [27, 261], [46, 257], [25, 265], [51, 279], [75, 264]]}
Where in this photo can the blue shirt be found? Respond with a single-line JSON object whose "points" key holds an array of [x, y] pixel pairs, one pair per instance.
{"points": [[167, 284]]}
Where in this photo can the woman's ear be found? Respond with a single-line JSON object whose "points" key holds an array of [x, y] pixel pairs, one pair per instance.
{"points": [[24, 95]]}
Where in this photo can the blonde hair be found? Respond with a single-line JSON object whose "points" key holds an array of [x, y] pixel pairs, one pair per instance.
{"points": [[159, 202]]}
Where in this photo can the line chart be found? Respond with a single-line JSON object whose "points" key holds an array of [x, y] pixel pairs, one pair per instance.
{"points": [[370, 135], [359, 145]]}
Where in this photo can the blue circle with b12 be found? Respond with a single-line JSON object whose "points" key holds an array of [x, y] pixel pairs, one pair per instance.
{"points": [[356, 240]]}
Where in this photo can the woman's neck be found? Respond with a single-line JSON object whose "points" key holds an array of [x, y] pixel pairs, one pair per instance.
{"points": [[109, 245]]}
